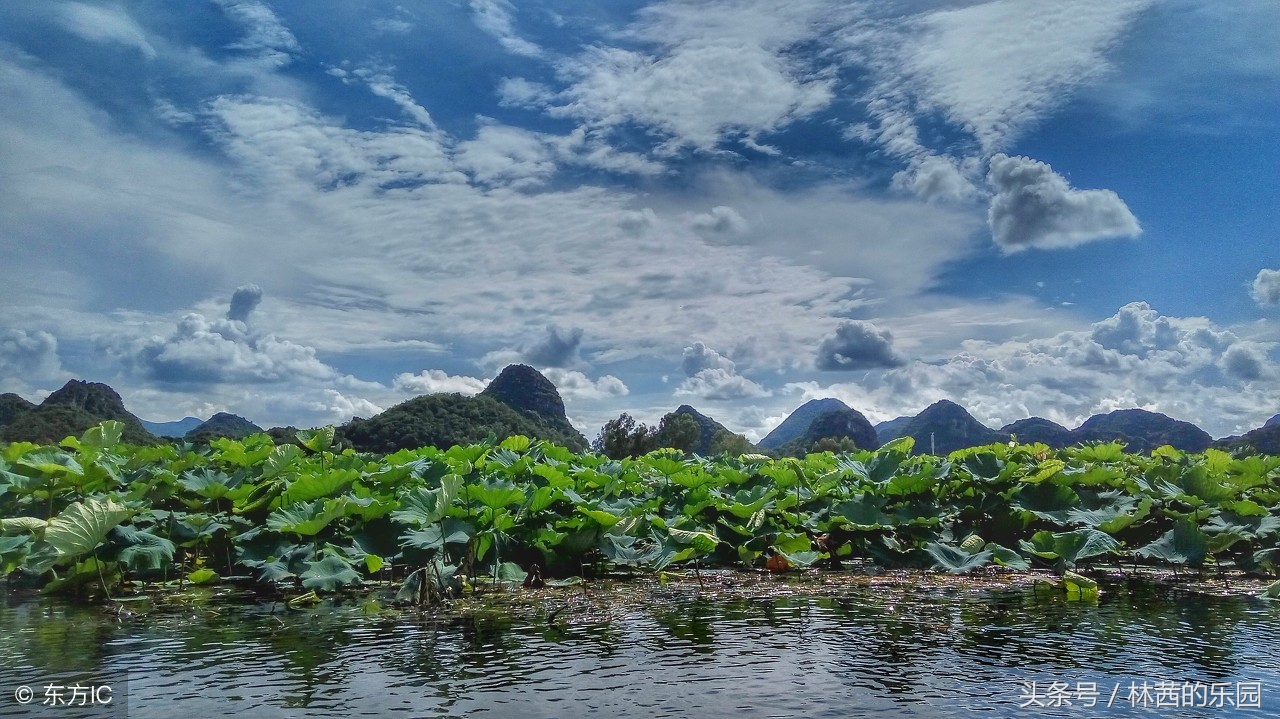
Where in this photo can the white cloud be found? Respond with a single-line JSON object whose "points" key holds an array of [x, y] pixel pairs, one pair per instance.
{"points": [[1185, 367], [717, 383], [265, 38], [711, 375], [435, 381], [105, 24], [721, 219], [858, 345], [701, 74], [696, 96], [993, 68], [495, 18], [1034, 206], [935, 177], [28, 358], [699, 357], [1266, 288], [204, 351], [574, 385], [508, 156]]}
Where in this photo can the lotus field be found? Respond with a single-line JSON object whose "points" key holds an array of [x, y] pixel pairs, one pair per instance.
{"points": [[95, 517]]}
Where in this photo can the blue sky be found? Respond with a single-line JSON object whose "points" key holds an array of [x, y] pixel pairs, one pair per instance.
{"points": [[305, 211]]}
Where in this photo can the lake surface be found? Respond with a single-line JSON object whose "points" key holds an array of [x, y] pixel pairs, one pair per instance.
{"points": [[922, 652]]}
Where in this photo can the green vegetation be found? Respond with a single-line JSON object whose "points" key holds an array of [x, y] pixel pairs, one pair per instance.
{"points": [[445, 420], [87, 515]]}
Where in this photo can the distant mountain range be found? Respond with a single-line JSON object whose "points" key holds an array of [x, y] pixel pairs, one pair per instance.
{"points": [[946, 426], [820, 419], [520, 400], [175, 430], [943, 427]]}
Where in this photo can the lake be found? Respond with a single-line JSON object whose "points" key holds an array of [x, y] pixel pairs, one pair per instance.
{"points": [[668, 651]]}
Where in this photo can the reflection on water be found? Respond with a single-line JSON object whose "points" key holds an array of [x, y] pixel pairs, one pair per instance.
{"points": [[882, 653]]}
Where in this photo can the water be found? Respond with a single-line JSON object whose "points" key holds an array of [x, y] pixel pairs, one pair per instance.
{"points": [[925, 653]]}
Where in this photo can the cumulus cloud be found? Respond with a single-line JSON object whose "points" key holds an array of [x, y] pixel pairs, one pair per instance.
{"points": [[718, 383], [1186, 367], [858, 345], [105, 24], [435, 381], [28, 356], [574, 385], [243, 301], [698, 357], [558, 349], [711, 375], [211, 351], [1245, 362], [721, 219], [1266, 288], [935, 177], [203, 351], [1034, 206]]}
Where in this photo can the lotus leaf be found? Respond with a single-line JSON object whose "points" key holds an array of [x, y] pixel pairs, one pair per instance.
{"points": [[1070, 547], [957, 560], [436, 536], [1186, 544], [316, 440], [82, 526], [307, 519], [141, 550], [202, 576], [13, 551], [329, 574]]}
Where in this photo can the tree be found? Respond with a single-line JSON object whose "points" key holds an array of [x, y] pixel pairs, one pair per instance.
{"points": [[838, 445], [725, 442], [624, 437], [678, 431]]}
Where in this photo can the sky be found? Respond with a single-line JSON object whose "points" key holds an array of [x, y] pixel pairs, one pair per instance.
{"points": [[301, 212]]}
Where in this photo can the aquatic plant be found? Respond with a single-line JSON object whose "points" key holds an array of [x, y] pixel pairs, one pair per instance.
{"points": [[93, 512]]}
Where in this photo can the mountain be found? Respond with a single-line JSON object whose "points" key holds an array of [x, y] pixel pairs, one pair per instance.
{"points": [[838, 424], [1274, 421], [891, 428], [525, 389], [708, 429], [13, 406], [444, 420], [70, 411], [798, 421], [1142, 431], [950, 426], [172, 429], [222, 424], [1263, 440], [518, 401], [1038, 429]]}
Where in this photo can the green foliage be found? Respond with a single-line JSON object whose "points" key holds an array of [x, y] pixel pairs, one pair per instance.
{"points": [[92, 512]]}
